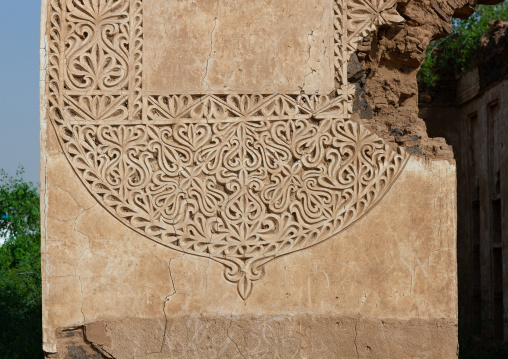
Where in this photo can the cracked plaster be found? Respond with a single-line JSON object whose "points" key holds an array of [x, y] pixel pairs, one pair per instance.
{"points": [[399, 271], [385, 283], [217, 55]]}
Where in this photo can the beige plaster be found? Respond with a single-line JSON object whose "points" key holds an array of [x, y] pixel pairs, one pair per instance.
{"points": [[239, 46], [181, 224], [396, 264]]}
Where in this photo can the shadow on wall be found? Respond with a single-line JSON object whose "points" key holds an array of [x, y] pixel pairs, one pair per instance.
{"points": [[471, 112]]}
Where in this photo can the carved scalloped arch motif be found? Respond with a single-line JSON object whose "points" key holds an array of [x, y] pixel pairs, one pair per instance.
{"points": [[241, 178]]}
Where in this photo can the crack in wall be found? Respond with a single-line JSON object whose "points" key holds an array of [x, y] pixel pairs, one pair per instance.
{"points": [[302, 88], [100, 348], [81, 290], [210, 54], [166, 300], [439, 196], [229, 336], [75, 201], [356, 338]]}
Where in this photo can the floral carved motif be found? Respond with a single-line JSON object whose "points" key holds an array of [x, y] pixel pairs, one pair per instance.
{"points": [[241, 179]]}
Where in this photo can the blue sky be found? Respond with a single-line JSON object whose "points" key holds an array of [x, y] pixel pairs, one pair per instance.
{"points": [[19, 86]]}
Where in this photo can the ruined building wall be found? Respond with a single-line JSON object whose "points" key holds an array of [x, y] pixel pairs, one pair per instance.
{"points": [[484, 135], [472, 112], [207, 196]]}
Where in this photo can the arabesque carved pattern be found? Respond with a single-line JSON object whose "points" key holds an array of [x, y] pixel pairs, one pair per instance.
{"points": [[241, 179], [97, 45], [174, 108], [242, 192]]}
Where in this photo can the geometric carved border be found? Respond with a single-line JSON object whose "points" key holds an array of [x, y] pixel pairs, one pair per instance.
{"points": [[241, 179]]}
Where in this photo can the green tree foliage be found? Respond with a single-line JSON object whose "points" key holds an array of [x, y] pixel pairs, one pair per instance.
{"points": [[456, 51], [20, 269]]}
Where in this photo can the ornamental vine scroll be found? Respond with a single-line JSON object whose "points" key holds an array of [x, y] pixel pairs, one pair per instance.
{"points": [[241, 179]]}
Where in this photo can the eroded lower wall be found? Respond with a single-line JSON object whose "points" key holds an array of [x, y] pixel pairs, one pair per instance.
{"points": [[247, 336]]}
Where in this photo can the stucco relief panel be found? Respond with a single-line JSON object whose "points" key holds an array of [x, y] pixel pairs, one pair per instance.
{"points": [[242, 177]]}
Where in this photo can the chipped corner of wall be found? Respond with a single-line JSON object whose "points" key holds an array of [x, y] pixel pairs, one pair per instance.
{"points": [[384, 72], [76, 343]]}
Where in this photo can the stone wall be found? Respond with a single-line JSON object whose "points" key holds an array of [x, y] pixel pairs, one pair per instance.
{"points": [[226, 185]]}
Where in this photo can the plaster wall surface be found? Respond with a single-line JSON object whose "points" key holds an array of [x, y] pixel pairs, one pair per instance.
{"points": [[182, 221], [281, 47], [384, 286]]}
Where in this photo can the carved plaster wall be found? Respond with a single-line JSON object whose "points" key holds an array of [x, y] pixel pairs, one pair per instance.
{"points": [[219, 130], [241, 178]]}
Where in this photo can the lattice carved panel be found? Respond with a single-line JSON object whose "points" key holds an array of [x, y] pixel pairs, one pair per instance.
{"points": [[239, 178]]}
